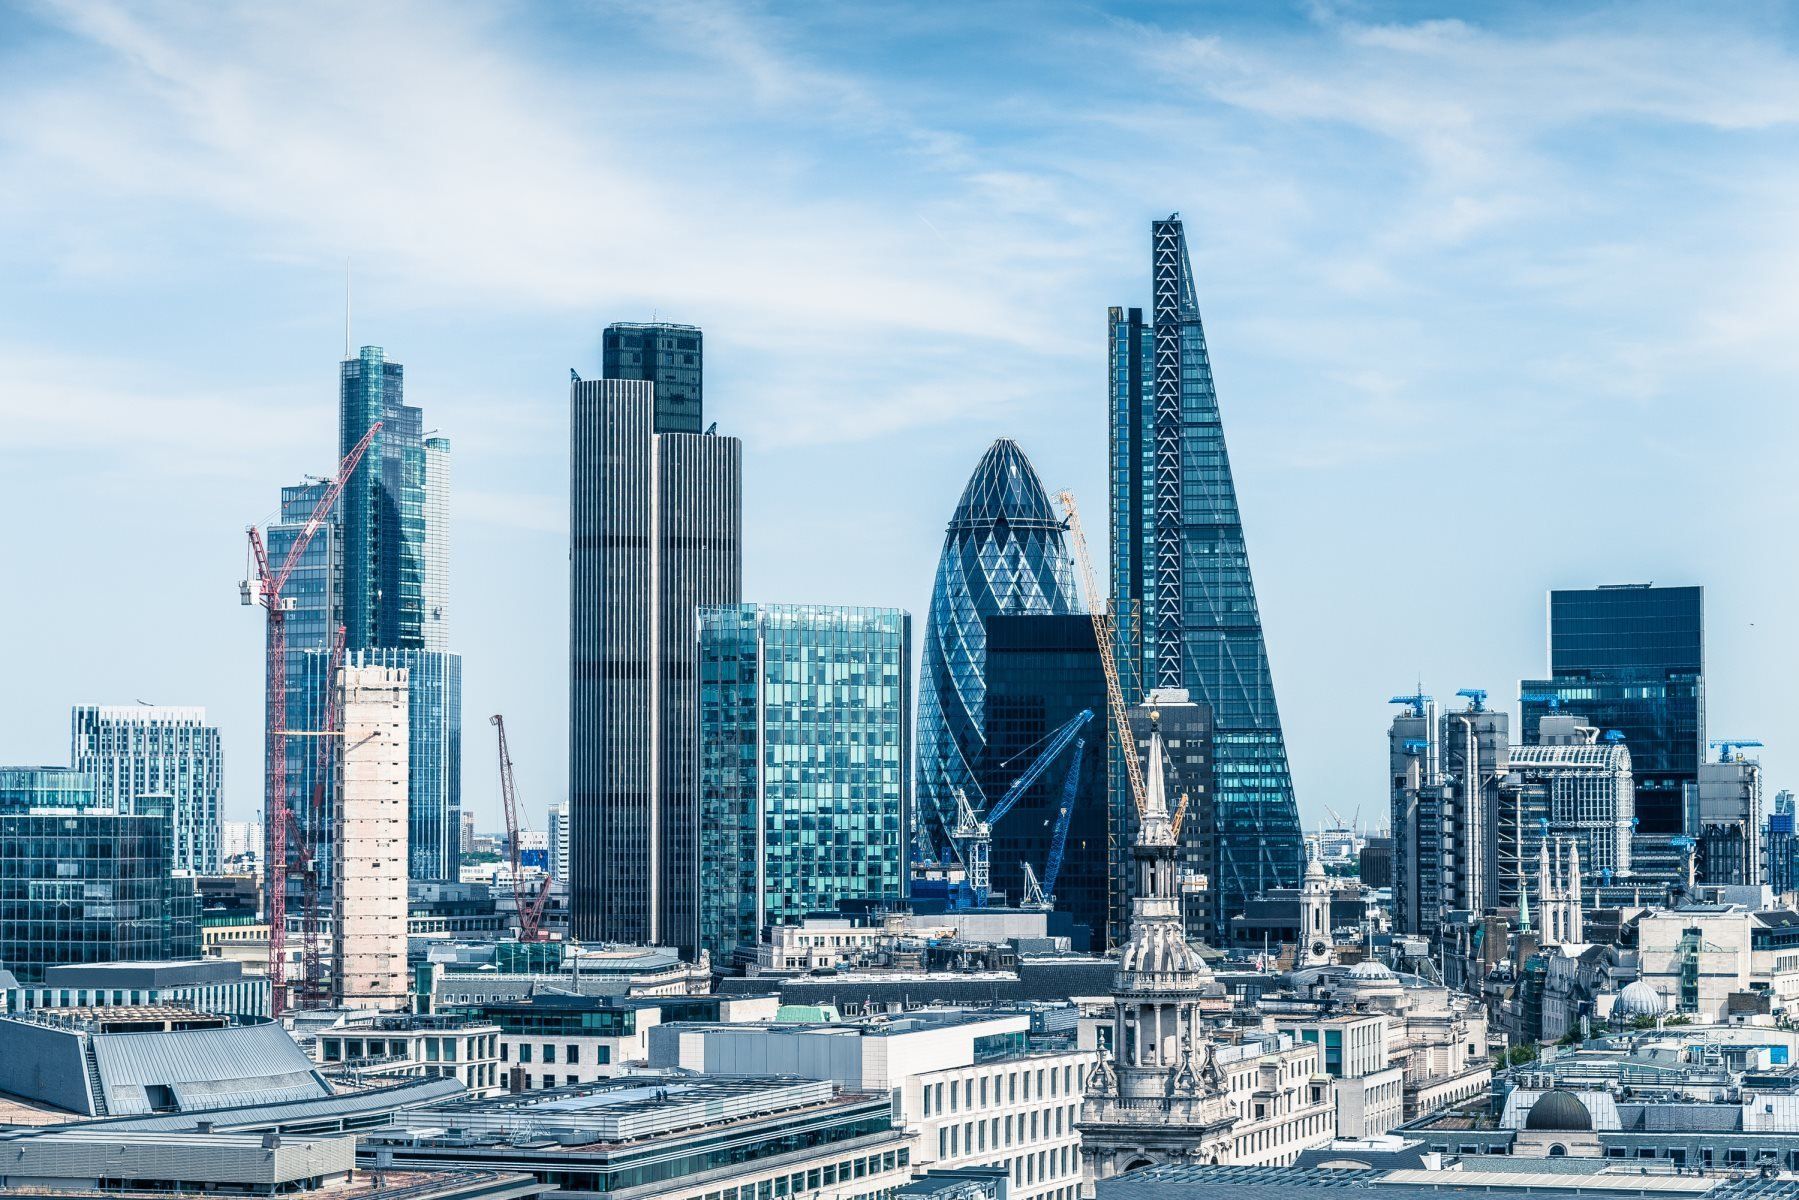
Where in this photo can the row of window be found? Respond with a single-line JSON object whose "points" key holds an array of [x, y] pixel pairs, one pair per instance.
{"points": [[804, 1182], [1049, 1081]]}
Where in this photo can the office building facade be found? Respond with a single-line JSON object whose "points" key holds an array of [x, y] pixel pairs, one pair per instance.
{"points": [[1041, 672], [382, 509], [435, 552], [671, 357], [1181, 583], [170, 757], [81, 883], [805, 763], [1189, 765], [1631, 658], [655, 527], [1003, 554]]}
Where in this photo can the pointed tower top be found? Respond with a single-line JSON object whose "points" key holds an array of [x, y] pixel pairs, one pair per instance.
{"points": [[1155, 798], [1523, 902], [1314, 866]]}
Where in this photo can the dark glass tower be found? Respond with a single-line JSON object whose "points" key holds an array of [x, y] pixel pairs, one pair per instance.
{"points": [[669, 356], [383, 508], [655, 528], [1181, 582], [1632, 658], [1041, 672], [1004, 553]]}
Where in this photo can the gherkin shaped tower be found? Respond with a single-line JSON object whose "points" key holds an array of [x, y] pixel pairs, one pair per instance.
{"points": [[1004, 553]]}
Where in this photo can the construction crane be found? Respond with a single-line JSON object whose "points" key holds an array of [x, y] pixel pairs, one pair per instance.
{"points": [[1104, 629], [1728, 747], [1552, 699], [973, 834], [312, 973], [530, 908], [1416, 701], [268, 587], [1476, 697], [1058, 842]]}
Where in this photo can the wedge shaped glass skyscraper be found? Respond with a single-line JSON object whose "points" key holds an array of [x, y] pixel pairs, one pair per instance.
{"points": [[1180, 576], [1004, 554]]}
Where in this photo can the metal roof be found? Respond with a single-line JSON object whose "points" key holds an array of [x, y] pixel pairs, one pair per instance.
{"points": [[357, 1109], [205, 1068]]}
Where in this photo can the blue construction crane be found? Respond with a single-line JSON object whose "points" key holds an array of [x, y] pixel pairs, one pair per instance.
{"points": [[1477, 698], [1417, 700], [1058, 842], [1552, 699], [1614, 736], [1727, 747], [973, 834]]}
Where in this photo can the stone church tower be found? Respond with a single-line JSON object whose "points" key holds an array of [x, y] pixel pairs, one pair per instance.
{"points": [[1157, 1096]]}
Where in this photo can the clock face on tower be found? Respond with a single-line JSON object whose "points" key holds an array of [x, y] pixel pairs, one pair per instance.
{"points": [[1319, 949]]}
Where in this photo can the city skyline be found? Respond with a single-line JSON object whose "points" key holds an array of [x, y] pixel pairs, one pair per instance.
{"points": [[1346, 367]]}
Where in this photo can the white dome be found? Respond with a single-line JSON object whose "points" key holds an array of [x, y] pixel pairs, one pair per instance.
{"points": [[1370, 970], [1638, 999], [1163, 950]]}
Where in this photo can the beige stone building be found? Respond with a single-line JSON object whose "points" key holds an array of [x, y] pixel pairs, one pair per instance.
{"points": [[369, 904]]}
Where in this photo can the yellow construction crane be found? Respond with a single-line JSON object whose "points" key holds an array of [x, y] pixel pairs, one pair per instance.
{"points": [[1103, 630]]}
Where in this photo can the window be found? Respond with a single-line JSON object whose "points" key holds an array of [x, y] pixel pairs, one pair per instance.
{"points": [[571, 1054], [524, 1052], [549, 1052]]}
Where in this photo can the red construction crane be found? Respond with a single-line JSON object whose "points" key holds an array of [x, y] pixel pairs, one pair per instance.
{"points": [[530, 908], [268, 588]]}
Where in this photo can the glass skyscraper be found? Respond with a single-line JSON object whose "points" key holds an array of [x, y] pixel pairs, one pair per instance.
{"points": [[155, 756], [80, 883], [1632, 658], [1181, 583], [1004, 554], [655, 533], [805, 763], [383, 508], [380, 569], [1041, 672]]}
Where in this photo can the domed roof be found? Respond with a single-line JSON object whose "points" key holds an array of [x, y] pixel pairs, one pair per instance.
{"points": [[1162, 949], [1370, 970], [1638, 999], [1558, 1110]]}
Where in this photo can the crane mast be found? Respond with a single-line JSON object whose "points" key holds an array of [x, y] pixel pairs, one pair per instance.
{"points": [[530, 908], [267, 587], [1104, 628]]}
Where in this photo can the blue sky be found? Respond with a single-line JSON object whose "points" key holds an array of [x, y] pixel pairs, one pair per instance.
{"points": [[1500, 298]]}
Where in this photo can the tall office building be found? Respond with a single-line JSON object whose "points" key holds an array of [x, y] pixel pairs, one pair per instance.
{"points": [[1004, 554], [1631, 658], [83, 882], [558, 830], [369, 893], [1041, 672], [805, 763], [655, 528], [1181, 582], [383, 574], [382, 510], [162, 756], [1190, 777], [669, 356]]}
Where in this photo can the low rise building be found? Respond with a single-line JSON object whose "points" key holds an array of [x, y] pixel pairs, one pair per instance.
{"points": [[97, 1161], [1368, 1088], [379, 1046], [210, 985], [668, 1137], [123, 1059], [974, 1085], [457, 974]]}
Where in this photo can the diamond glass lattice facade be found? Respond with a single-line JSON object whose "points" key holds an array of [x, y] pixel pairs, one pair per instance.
{"points": [[1004, 553], [1181, 583], [805, 761]]}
